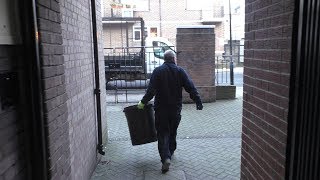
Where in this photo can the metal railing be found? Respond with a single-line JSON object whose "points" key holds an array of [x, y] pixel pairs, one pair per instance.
{"points": [[222, 70], [128, 71]]}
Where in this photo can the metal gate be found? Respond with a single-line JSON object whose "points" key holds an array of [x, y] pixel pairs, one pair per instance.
{"points": [[127, 76], [304, 112], [128, 70]]}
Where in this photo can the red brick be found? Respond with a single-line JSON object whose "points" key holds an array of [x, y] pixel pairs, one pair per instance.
{"points": [[276, 122], [274, 55], [266, 86], [265, 160], [259, 136], [255, 167], [275, 33], [261, 84], [279, 89], [260, 103], [276, 8], [270, 44], [284, 44], [286, 55], [259, 93]]}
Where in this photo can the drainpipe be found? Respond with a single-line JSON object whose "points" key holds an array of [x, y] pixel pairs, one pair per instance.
{"points": [[32, 95], [231, 58], [160, 18], [97, 90]]}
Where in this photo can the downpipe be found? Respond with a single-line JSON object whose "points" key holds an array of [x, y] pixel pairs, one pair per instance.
{"points": [[35, 134], [97, 90]]}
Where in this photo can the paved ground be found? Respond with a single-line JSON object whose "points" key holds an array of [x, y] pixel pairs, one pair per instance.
{"points": [[208, 145]]}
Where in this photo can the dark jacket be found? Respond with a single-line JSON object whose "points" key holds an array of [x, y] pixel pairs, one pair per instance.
{"points": [[166, 85]]}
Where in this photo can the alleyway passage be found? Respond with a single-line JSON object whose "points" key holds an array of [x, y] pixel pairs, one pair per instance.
{"points": [[209, 143]]}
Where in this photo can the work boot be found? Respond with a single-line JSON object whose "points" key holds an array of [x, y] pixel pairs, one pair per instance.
{"points": [[165, 166]]}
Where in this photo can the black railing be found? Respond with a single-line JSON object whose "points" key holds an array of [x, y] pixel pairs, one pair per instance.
{"points": [[222, 71], [127, 70]]}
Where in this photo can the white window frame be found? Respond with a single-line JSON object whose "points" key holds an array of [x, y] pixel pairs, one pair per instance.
{"points": [[147, 29]]}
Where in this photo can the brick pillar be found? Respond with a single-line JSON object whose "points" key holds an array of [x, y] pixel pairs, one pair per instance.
{"points": [[196, 45]]}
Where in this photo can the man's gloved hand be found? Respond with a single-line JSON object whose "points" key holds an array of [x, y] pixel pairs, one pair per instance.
{"points": [[140, 105], [199, 106]]}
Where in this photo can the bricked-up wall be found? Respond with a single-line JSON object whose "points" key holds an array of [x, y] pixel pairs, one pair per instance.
{"points": [[68, 78], [268, 31], [12, 159], [196, 45]]}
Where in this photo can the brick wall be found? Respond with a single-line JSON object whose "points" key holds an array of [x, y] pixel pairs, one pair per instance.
{"points": [[79, 65], [68, 78], [266, 88], [12, 160], [196, 47], [55, 96]]}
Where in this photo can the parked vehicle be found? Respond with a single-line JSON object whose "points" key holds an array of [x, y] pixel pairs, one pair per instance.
{"points": [[135, 63]]}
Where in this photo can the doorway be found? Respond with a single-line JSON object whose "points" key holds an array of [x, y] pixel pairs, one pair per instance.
{"points": [[304, 128]]}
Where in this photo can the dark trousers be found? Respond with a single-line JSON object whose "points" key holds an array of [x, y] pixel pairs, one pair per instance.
{"points": [[167, 120]]}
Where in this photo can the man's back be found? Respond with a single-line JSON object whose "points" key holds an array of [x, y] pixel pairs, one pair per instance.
{"points": [[166, 84]]}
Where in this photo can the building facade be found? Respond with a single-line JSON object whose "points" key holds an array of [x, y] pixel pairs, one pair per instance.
{"points": [[161, 19]]}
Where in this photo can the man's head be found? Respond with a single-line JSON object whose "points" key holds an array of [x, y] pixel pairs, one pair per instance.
{"points": [[169, 55]]}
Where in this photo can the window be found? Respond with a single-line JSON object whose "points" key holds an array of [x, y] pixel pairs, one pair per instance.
{"points": [[148, 32], [153, 32], [137, 33], [199, 4], [127, 12]]}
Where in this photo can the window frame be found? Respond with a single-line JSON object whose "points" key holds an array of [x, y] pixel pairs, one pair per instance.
{"points": [[147, 32]]}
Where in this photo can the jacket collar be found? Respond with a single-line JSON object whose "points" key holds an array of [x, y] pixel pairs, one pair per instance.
{"points": [[169, 62]]}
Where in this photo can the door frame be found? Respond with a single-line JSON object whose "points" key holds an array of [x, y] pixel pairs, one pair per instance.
{"points": [[301, 125]]}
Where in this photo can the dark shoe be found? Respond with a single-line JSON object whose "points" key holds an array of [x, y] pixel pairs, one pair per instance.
{"points": [[165, 166]]}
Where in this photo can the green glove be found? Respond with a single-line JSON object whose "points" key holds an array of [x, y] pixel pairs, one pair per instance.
{"points": [[140, 105]]}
